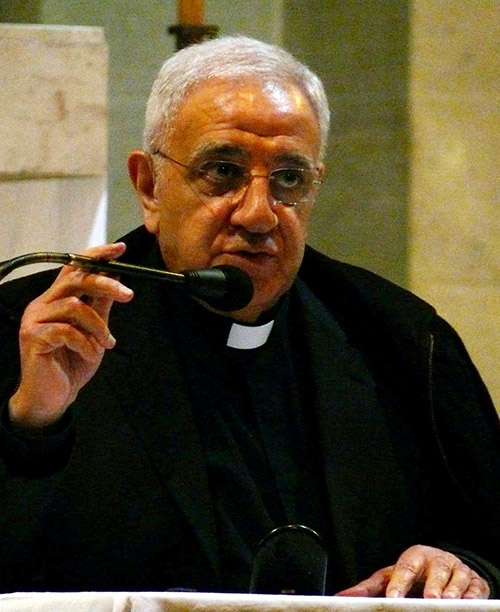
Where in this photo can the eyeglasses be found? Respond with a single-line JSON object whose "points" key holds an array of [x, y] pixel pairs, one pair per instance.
{"points": [[218, 178]]}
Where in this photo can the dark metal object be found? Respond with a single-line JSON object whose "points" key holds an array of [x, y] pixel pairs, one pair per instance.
{"points": [[226, 288], [187, 35], [290, 560]]}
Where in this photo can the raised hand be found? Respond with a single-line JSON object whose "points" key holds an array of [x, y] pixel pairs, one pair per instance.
{"points": [[63, 336]]}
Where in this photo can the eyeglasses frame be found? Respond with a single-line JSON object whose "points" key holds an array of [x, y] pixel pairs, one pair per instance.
{"points": [[252, 176]]}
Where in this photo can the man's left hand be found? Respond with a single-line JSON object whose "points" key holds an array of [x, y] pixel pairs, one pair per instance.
{"points": [[425, 572]]}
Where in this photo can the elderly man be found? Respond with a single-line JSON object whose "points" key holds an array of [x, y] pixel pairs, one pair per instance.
{"points": [[158, 460]]}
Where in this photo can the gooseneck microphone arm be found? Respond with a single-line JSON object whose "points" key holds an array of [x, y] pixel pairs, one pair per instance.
{"points": [[88, 263], [223, 287]]}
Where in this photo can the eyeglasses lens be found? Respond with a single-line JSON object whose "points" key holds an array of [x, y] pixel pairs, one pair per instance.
{"points": [[287, 185]]}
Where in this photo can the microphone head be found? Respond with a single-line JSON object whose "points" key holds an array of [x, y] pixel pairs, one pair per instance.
{"points": [[290, 560], [225, 288]]}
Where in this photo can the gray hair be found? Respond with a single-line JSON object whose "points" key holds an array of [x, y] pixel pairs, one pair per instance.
{"points": [[230, 57]]}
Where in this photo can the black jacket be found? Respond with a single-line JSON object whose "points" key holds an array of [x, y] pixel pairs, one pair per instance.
{"points": [[409, 444]]}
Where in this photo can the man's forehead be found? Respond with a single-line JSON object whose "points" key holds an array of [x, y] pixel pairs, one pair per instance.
{"points": [[275, 88], [283, 96], [268, 110]]}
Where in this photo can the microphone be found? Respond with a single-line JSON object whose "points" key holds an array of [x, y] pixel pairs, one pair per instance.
{"points": [[225, 288], [290, 560]]}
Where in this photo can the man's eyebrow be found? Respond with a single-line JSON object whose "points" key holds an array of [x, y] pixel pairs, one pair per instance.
{"points": [[290, 158], [231, 151], [221, 151]]}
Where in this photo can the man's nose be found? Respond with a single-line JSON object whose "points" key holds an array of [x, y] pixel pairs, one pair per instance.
{"points": [[254, 208]]}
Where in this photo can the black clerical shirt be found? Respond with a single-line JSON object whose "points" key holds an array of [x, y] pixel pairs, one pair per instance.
{"points": [[256, 431]]}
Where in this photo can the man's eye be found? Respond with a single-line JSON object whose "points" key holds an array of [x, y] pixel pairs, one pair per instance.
{"points": [[289, 177], [219, 172]]}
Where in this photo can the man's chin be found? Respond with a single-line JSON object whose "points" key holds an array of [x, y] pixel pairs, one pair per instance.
{"points": [[265, 298]]}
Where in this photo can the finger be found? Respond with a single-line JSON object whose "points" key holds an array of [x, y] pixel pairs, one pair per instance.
{"points": [[110, 251], [371, 587], [478, 588], [440, 571], [102, 306], [105, 251], [60, 335], [95, 287], [77, 314], [457, 585], [81, 283], [406, 573]]}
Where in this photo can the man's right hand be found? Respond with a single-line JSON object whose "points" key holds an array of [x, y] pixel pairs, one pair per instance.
{"points": [[63, 336]]}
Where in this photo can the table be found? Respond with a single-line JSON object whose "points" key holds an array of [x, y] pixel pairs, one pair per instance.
{"points": [[217, 602]]}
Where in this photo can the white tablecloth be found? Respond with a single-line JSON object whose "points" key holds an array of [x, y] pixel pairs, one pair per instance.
{"points": [[216, 602]]}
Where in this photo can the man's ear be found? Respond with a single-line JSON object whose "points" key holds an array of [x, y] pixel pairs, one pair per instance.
{"points": [[141, 172]]}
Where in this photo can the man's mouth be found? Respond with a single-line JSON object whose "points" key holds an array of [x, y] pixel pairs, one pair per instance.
{"points": [[268, 249], [251, 259], [252, 255]]}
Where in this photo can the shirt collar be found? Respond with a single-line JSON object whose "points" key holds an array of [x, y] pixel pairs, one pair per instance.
{"points": [[248, 336]]}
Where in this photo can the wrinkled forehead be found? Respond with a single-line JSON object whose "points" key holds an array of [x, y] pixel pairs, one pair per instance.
{"points": [[264, 106], [279, 90]]}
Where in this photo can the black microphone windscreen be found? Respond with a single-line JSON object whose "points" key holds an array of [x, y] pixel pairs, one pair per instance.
{"points": [[225, 288], [291, 559]]}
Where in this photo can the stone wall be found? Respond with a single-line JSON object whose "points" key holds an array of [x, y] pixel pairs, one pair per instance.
{"points": [[360, 51], [53, 138], [455, 203]]}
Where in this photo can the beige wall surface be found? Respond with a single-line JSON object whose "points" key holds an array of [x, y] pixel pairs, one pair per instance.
{"points": [[53, 95], [455, 212], [53, 139], [360, 50]]}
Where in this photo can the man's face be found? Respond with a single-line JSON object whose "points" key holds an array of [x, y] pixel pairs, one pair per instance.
{"points": [[261, 127]]}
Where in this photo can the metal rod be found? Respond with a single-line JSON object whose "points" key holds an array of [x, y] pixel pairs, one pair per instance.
{"points": [[88, 263]]}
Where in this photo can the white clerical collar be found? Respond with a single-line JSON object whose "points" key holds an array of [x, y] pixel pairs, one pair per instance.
{"points": [[248, 336]]}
